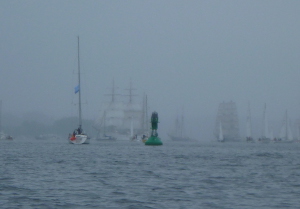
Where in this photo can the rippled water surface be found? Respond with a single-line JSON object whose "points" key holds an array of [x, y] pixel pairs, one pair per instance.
{"points": [[55, 174]]}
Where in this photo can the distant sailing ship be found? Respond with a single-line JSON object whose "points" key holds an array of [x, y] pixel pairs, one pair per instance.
{"points": [[265, 130], [286, 131], [122, 120], [249, 126], [178, 133], [227, 122]]}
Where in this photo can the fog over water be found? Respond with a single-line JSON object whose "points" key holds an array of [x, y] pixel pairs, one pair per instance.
{"points": [[182, 54]]}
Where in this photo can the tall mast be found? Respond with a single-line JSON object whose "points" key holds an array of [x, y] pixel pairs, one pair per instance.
{"points": [[113, 92], [286, 126], [249, 123], [0, 115], [131, 95], [265, 123], [146, 112], [182, 123], [79, 96]]}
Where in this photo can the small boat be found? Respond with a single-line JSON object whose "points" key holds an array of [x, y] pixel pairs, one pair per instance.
{"points": [[4, 136], [144, 138], [78, 136]]}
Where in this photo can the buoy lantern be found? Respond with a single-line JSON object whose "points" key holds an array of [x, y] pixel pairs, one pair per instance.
{"points": [[154, 139]]}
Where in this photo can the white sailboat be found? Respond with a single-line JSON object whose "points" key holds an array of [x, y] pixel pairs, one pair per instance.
{"points": [[265, 132], [221, 137], [78, 136], [249, 126], [286, 131], [3, 136]]}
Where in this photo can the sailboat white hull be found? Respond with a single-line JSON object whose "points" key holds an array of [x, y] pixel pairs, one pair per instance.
{"points": [[79, 139]]}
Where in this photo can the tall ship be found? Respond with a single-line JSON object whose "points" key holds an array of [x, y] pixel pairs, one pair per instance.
{"points": [[227, 123], [122, 119]]}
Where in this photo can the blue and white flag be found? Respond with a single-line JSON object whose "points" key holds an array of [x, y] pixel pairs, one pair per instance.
{"points": [[76, 89]]}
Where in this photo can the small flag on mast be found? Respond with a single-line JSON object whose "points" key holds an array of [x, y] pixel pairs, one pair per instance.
{"points": [[76, 89]]}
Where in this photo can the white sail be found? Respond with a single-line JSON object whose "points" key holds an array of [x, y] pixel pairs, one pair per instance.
{"points": [[290, 135], [248, 124], [265, 132], [286, 131], [131, 128], [122, 115], [221, 138]]}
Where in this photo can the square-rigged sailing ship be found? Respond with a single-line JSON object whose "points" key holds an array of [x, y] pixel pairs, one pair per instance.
{"points": [[227, 123]]}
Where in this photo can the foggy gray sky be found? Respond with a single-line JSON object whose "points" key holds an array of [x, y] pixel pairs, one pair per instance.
{"points": [[180, 53]]}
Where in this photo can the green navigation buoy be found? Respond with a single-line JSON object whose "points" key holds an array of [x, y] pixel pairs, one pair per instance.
{"points": [[154, 140]]}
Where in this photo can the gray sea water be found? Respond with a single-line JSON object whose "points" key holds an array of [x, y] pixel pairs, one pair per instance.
{"points": [[54, 174]]}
